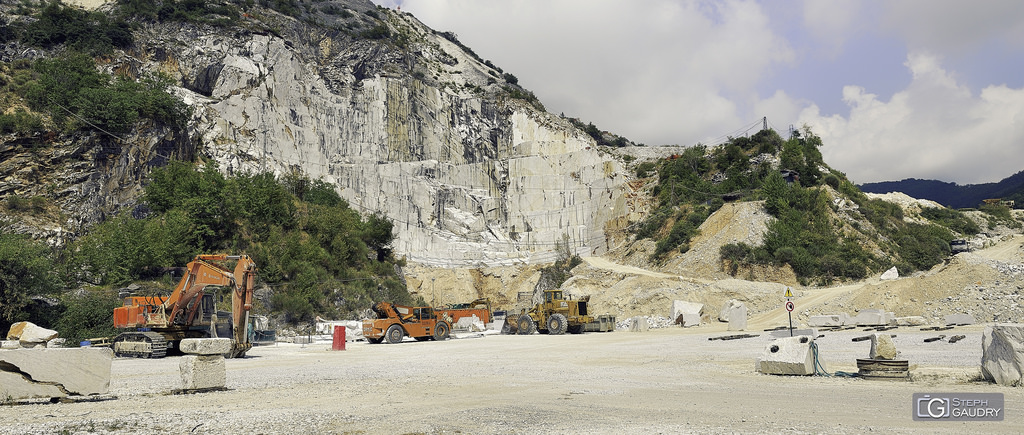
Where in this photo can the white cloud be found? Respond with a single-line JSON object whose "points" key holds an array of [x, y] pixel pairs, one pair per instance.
{"points": [[935, 128], [657, 72], [682, 71], [953, 26], [832, 23]]}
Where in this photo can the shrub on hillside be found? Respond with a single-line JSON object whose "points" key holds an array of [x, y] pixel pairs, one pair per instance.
{"points": [[78, 96]]}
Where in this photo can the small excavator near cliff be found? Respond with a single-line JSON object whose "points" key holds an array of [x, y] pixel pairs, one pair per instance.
{"points": [[160, 323]]}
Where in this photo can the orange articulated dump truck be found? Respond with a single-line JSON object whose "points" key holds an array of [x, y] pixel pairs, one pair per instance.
{"points": [[160, 323], [393, 322]]}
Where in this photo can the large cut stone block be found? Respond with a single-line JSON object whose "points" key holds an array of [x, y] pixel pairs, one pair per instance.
{"points": [[784, 333], [788, 356], [202, 372], [959, 319], [28, 332], [471, 323], [738, 317], [911, 321], [723, 315], [683, 307], [206, 346], [871, 318], [1002, 354], [882, 347], [35, 373], [826, 320], [639, 324], [689, 319]]}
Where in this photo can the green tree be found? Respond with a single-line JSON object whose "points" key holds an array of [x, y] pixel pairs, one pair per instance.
{"points": [[26, 270], [776, 194], [88, 315]]}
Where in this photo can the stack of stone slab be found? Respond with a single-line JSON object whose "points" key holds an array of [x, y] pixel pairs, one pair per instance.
{"points": [[203, 368], [788, 356], [1002, 354], [881, 362], [50, 373]]}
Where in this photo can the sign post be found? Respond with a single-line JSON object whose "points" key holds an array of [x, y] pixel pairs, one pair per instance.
{"points": [[789, 308]]}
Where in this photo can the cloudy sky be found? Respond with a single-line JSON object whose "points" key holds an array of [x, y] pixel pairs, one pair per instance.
{"points": [[896, 88]]}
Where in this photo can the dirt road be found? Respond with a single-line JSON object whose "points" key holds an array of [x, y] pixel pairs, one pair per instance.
{"points": [[661, 381]]}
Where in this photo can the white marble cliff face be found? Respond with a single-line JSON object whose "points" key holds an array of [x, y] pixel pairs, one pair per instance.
{"points": [[467, 180]]}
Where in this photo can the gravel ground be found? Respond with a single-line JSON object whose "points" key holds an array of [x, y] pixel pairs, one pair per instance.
{"points": [[669, 380]]}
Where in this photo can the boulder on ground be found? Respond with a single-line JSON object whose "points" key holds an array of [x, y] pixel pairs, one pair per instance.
{"points": [[28, 332], [48, 373], [788, 356], [1002, 354], [205, 346], [891, 274], [882, 347]]}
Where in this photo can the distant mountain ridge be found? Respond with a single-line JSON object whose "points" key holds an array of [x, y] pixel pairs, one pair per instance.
{"points": [[953, 195]]}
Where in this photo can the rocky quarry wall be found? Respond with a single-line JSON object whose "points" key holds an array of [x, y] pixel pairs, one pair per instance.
{"points": [[468, 181]]}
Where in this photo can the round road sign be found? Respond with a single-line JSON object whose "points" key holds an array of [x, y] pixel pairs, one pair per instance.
{"points": [[790, 306]]}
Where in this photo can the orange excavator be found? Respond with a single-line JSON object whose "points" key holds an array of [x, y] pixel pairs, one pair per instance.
{"points": [[160, 323]]}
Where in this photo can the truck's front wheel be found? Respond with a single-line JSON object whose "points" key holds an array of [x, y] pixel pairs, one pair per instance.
{"points": [[526, 325], [394, 334], [441, 331]]}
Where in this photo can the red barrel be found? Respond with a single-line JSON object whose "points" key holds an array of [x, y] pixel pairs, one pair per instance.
{"points": [[339, 337]]}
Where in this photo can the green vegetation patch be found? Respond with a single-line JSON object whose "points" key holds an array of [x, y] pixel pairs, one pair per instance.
{"points": [[806, 234], [76, 95]]}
